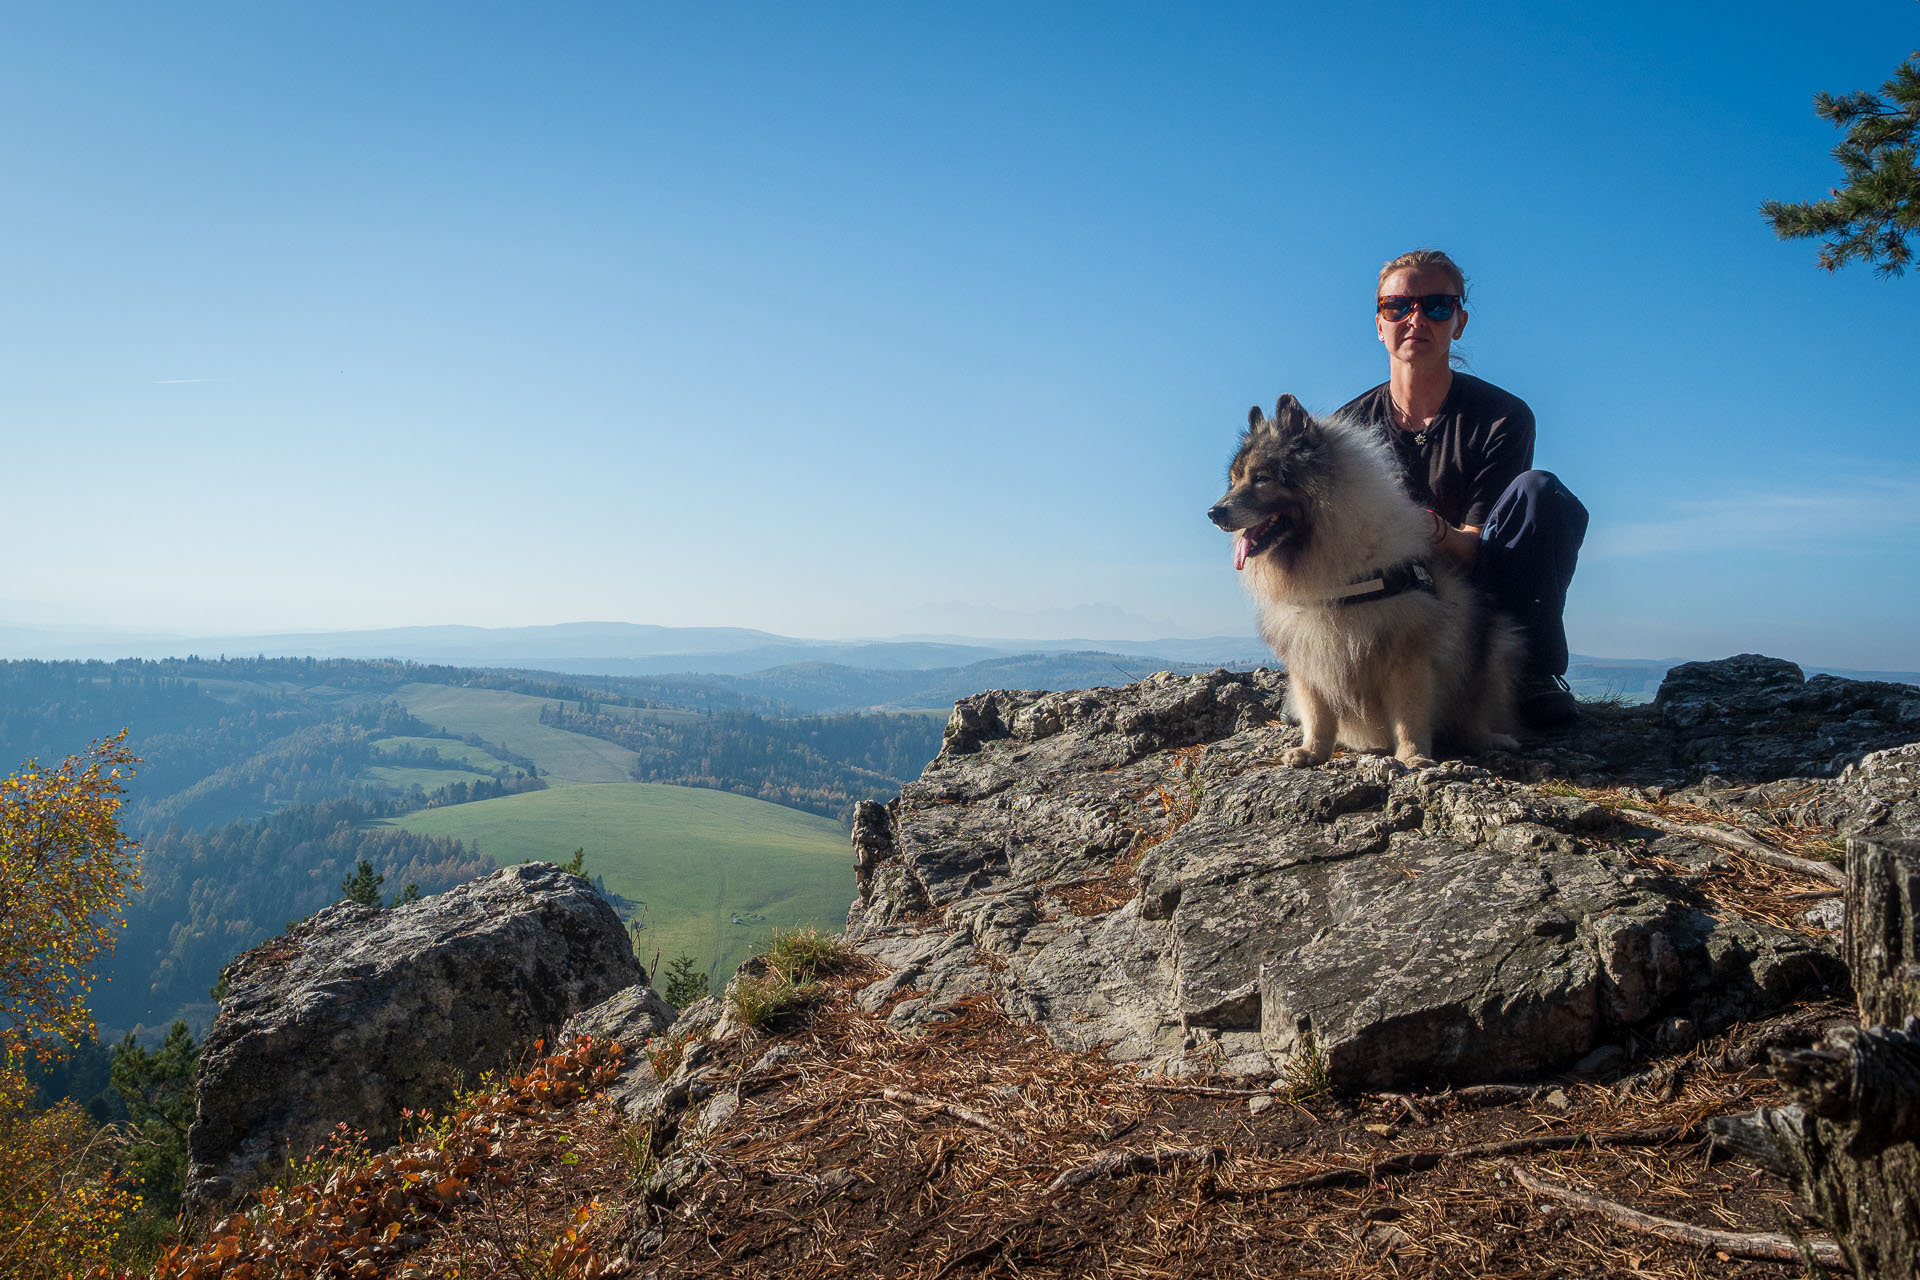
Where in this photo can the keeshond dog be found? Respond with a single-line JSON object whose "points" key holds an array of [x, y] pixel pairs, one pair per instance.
{"points": [[1385, 643]]}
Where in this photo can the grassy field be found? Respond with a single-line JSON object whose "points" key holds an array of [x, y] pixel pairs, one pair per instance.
{"points": [[512, 720], [454, 753], [400, 777], [696, 858]]}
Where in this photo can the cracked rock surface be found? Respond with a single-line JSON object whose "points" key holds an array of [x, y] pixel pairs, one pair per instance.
{"points": [[1135, 871]]}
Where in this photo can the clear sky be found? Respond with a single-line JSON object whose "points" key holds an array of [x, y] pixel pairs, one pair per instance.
{"points": [[858, 320]]}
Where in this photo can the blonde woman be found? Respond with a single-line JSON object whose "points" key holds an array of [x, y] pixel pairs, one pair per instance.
{"points": [[1465, 449]]}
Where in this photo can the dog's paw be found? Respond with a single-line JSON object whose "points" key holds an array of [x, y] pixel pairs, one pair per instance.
{"points": [[1416, 761], [1301, 758], [1502, 742]]}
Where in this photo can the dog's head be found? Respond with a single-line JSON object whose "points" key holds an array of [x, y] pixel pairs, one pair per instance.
{"points": [[1272, 482]]}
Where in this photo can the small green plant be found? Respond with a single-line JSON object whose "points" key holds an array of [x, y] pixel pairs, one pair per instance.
{"points": [[636, 1145], [577, 864], [758, 1001], [794, 959], [799, 955], [1305, 1074]]}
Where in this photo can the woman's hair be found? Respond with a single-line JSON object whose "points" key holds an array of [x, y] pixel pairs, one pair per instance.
{"points": [[1421, 259]]}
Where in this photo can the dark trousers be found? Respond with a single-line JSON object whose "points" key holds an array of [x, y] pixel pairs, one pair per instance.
{"points": [[1528, 548]]}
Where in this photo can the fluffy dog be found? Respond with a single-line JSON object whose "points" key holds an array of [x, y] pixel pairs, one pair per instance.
{"points": [[1384, 642]]}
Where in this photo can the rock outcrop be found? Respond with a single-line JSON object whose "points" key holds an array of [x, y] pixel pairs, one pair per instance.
{"points": [[358, 1013], [1134, 870]]}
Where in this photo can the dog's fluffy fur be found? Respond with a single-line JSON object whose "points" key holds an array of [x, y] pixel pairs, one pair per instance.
{"points": [[1316, 506]]}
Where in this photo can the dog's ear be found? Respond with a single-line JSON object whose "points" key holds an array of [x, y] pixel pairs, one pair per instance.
{"points": [[1254, 418], [1290, 415]]}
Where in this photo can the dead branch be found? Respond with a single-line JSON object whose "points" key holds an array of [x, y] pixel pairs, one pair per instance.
{"points": [[1421, 1161], [1204, 1090], [1118, 1164], [1760, 1246], [1741, 842], [1498, 1095], [965, 1114]]}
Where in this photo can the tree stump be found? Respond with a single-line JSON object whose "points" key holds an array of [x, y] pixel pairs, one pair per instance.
{"points": [[1847, 1145]]}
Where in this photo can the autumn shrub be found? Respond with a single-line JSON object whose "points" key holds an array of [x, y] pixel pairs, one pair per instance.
{"points": [[65, 872], [61, 1209]]}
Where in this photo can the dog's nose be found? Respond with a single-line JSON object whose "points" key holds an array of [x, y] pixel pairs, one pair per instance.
{"points": [[1218, 514]]}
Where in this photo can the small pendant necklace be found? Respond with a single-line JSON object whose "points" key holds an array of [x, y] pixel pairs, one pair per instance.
{"points": [[1405, 419]]}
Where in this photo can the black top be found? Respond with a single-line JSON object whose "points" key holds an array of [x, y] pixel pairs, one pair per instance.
{"points": [[1479, 441]]}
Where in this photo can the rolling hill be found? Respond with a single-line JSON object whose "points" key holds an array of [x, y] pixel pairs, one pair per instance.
{"points": [[690, 861]]}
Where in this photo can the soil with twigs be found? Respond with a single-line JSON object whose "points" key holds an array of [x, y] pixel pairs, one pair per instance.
{"points": [[977, 1149], [870, 1153]]}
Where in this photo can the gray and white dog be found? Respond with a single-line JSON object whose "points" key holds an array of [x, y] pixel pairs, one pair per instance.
{"points": [[1384, 641]]}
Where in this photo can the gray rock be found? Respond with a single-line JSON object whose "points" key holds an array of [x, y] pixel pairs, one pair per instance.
{"points": [[358, 1013], [1135, 871]]}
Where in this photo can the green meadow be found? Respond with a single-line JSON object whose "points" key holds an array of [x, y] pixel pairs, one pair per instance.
{"points": [[400, 777], [696, 858], [454, 753], [512, 720]]}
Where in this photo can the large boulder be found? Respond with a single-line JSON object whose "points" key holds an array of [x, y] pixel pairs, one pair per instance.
{"points": [[358, 1013], [1135, 871]]}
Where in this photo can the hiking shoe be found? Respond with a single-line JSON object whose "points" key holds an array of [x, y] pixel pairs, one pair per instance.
{"points": [[1545, 701]]}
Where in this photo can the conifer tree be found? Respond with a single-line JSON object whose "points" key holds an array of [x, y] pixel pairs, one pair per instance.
{"points": [[363, 886], [684, 984], [1870, 218], [157, 1086]]}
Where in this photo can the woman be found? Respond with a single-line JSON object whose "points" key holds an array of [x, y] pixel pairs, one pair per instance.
{"points": [[1466, 453]]}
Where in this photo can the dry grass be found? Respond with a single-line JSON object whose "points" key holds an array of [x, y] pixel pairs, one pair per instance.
{"points": [[1174, 804]]}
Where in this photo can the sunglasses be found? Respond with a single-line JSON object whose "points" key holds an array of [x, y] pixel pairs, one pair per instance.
{"points": [[1434, 306]]}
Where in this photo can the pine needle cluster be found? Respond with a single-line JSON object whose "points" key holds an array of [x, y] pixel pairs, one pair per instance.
{"points": [[1872, 217]]}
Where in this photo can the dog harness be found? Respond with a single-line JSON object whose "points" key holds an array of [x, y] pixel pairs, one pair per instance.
{"points": [[1383, 584]]}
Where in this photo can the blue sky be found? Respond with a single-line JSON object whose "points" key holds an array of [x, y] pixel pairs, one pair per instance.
{"points": [[843, 320]]}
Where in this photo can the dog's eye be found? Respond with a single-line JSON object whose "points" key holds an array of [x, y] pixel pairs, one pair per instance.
{"points": [[1262, 476]]}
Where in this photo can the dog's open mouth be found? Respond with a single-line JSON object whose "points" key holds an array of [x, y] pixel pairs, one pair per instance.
{"points": [[1254, 539]]}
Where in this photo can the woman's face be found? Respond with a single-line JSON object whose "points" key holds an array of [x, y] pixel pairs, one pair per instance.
{"points": [[1417, 340]]}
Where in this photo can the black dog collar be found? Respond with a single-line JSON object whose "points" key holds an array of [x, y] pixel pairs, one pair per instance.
{"points": [[1385, 583]]}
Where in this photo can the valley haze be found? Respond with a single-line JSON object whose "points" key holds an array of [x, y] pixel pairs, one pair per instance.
{"points": [[640, 649]]}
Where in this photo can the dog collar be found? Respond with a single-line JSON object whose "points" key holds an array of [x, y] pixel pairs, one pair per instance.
{"points": [[1383, 584]]}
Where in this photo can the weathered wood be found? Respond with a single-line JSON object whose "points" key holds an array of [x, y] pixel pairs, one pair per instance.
{"points": [[1883, 928], [1866, 1080], [1764, 1246], [1848, 1144]]}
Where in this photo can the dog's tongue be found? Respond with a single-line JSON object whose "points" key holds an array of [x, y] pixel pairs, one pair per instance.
{"points": [[1240, 542]]}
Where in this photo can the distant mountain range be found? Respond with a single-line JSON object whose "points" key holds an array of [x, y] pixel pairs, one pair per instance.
{"points": [[608, 648], [914, 670]]}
